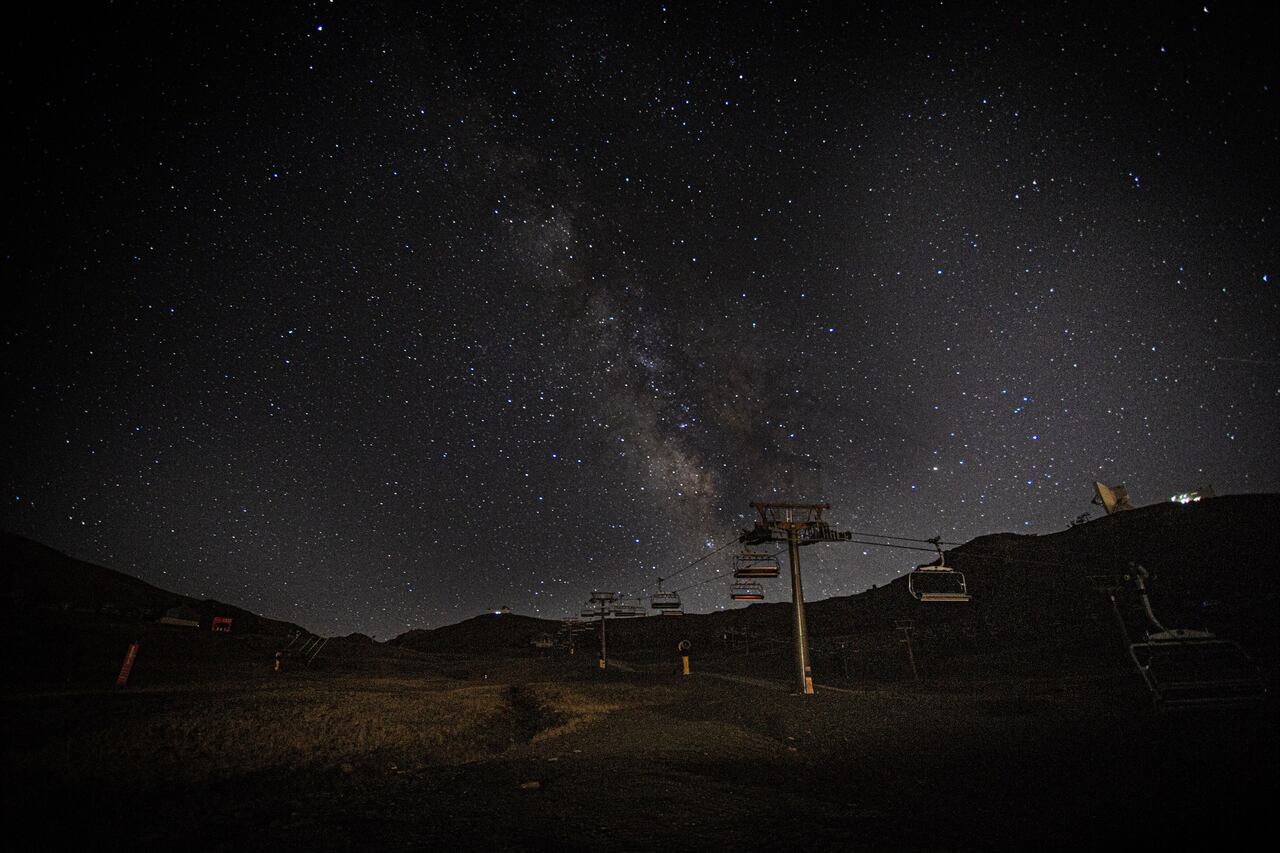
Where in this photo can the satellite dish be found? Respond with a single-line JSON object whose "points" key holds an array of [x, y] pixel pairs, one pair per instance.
{"points": [[1111, 498]]}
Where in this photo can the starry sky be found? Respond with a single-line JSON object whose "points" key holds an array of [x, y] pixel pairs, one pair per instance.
{"points": [[374, 316]]}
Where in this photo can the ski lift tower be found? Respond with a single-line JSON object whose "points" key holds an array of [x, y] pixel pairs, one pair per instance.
{"points": [[796, 524], [600, 605]]}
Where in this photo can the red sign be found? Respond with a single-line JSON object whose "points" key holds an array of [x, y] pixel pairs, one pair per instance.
{"points": [[222, 624], [123, 678]]}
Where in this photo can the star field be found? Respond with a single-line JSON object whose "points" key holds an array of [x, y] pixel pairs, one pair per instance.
{"points": [[373, 317]]}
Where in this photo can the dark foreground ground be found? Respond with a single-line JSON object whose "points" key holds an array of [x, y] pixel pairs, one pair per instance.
{"points": [[550, 754]]}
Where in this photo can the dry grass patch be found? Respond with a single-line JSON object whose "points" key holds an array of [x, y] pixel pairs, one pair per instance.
{"points": [[195, 737], [575, 706], [210, 733]]}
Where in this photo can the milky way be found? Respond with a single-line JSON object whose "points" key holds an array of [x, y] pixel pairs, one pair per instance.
{"points": [[374, 318]]}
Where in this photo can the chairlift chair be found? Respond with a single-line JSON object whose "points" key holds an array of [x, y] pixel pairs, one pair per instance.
{"points": [[627, 611], [665, 601], [755, 565], [1185, 668], [936, 581], [748, 591]]}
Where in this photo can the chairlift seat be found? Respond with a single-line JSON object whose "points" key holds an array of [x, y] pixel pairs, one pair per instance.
{"points": [[757, 571], [665, 601], [1184, 668], [945, 596], [1187, 668], [752, 565], [935, 583], [746, 592]]}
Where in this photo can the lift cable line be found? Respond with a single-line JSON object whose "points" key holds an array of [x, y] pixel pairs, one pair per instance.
{"points": [[970, 553], [889, 545], [902, 538], [717, 576], [689, 566], [667, 578]]}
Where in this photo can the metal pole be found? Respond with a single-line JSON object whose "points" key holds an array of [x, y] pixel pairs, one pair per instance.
{"points": [[604, 657], [804, 675], [1124, 629], [911, 657]]}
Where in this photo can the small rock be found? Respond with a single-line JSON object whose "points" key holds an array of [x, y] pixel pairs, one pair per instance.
{"points": [[531, 786]]}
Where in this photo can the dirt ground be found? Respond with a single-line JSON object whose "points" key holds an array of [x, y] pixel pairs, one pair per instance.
{"points": [[551, 754]]}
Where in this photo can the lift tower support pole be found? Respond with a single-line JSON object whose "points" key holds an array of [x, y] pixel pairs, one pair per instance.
{"points": [[604, 651], [600, 602], [796, 524], [804, 672]]}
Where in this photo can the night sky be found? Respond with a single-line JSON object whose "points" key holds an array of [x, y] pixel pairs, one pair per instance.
{"points": [[374, 317]]}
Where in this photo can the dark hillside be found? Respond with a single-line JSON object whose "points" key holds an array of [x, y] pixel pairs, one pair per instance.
{"points": [[68, 622], [488, 633], [34, 577]]}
